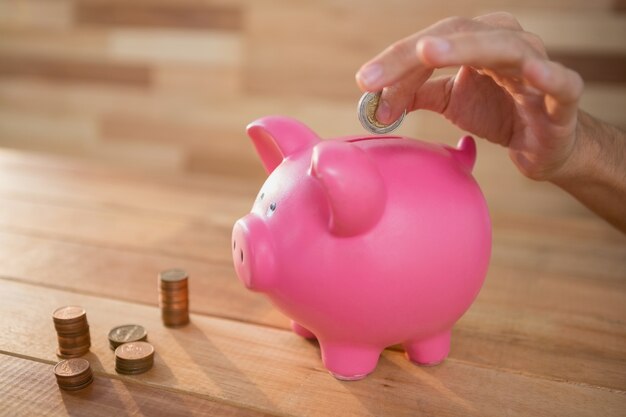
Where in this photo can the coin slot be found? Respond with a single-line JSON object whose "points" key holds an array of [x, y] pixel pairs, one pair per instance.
{"points": [[373, 137]]}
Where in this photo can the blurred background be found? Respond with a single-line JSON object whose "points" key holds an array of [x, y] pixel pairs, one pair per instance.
{"points": [[169, 85]]}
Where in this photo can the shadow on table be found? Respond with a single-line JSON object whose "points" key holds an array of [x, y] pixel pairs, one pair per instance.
{"points": [[379, 392], [125, 396], [101, 391], [216, 365]]}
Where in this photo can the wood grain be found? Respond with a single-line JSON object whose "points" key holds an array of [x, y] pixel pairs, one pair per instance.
{"points": [[598, 31], [58, 45], [73, 70], [594, 67], [267, 369], [211, 67], [556, 310], [168, 46], [561, 277], [147, 90], [36, 14], [23, 378], [205, 236], [187, 15]]}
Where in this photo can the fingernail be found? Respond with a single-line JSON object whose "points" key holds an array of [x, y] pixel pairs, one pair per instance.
{"points": [[438, 45], [383, 112], [369, 74]]}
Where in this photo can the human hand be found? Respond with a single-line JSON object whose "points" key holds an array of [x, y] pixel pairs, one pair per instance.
{"points": [[506, 90]]}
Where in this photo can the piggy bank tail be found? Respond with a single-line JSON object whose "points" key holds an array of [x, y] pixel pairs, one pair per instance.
{"points": [[465, 152]]}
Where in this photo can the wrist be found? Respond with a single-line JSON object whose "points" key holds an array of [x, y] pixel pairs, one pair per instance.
{"points": [[596, 172], [585, 161]]}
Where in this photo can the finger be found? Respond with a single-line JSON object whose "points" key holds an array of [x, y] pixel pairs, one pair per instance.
{"points": [[400, 58], [434, 95], [562, 86], [487, 49], [502, 20], [396, 98], [505, 20]]}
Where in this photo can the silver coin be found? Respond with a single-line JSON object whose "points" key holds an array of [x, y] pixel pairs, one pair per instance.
{"points": [[368, 104], [126, 333]]}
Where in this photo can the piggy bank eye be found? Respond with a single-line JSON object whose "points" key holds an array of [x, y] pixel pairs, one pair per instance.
{"points": [[261, 196], [271, 209]]}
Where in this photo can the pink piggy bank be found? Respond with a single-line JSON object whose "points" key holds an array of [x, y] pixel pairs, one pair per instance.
{"points": [[365, 242]]}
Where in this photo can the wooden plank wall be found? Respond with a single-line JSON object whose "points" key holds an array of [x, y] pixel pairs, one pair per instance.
{"points": [[171, 84]]}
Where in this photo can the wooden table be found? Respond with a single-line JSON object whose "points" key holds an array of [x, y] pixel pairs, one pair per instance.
{"points": [[547, 335]]}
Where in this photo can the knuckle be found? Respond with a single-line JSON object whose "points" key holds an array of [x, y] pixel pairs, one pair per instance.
{"points": [[535, 42], [516, 48], [569, 82], [578, 84], [402, 51], [456, 22], [508, 18], [390, 92], [500, 20]]}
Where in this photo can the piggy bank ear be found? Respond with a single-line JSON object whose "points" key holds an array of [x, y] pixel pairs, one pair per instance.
{"points": [[353, 185], [465, 152], [277, 137]]}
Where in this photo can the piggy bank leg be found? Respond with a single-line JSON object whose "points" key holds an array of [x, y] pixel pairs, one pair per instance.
{"points": [[349, 362], [430, 351], [301, 331]]}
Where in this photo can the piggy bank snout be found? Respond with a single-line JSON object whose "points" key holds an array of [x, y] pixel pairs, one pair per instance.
{"points": [[253, 254]]}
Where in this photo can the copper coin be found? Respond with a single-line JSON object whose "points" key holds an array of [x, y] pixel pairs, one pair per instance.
{"points": [[72, 326], [71, 367], [173, 285], [178, 298], [134, 351], [76, 387], [176, 322], [73, 333], [67, 343], [73, 374], [175, 306], [173, 275], [134, 358], [68, 313], [175, 318], [174, 312], [71, 354], [174, 290]]}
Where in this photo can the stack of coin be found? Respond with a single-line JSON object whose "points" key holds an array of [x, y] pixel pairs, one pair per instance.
{"points": [[174, 297], [73, 374], [134, 357], [72, 329], [125, 334]]}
